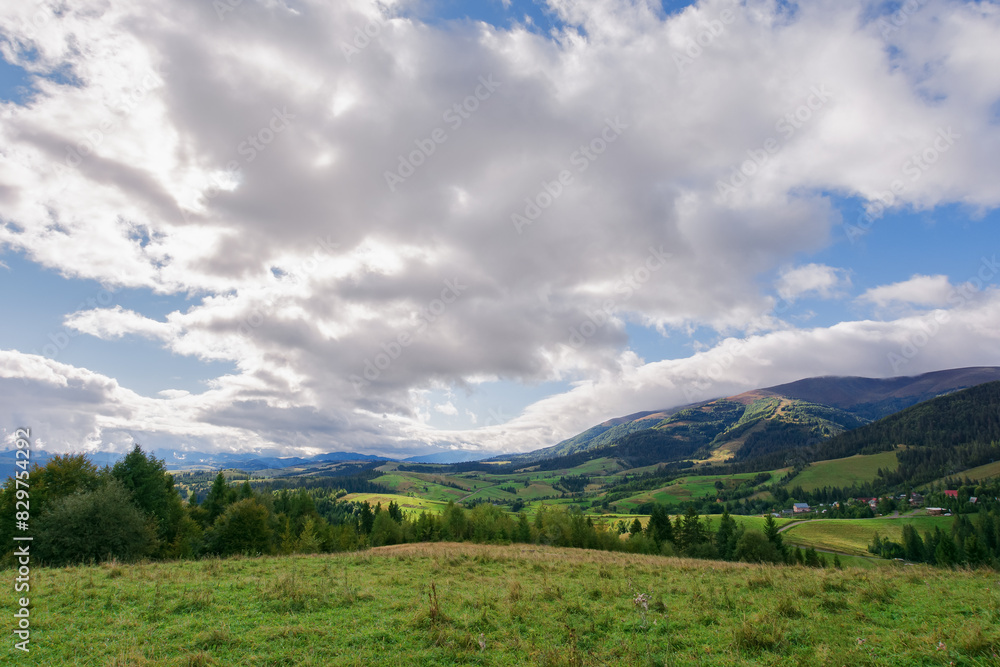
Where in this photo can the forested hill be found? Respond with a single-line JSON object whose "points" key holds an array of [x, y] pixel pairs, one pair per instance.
{"points": [[942, 436]]}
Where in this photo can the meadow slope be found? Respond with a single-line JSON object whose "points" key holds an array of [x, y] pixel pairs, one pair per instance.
{"points": [[449, 604]]}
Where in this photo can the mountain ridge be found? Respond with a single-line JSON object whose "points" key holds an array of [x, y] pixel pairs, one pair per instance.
{"points": [[808, 410]]}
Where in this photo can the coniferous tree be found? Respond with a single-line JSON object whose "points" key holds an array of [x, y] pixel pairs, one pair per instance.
{"points": [[727, 536], [659, 527], [913, 546], [771, 532], [217, 499]]}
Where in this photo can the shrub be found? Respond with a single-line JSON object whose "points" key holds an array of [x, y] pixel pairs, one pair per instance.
{"points": [[244, 528], [94, 526], [754, 547]]}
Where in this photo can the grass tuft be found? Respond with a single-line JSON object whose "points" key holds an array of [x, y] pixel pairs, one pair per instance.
{"points": [[760, 633], [199, 659], [760, 582], [878, 591], [215, 638], [787, 608]]}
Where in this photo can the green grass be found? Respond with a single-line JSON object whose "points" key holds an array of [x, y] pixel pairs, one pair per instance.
{"points": [[980, 473], [447, 604], [853, 536], [425, 487], [687, 488], [406, 503], [844, 472], [748, 522]]}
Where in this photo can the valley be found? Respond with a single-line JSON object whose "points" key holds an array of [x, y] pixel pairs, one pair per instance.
{"points": [[755, 529]]}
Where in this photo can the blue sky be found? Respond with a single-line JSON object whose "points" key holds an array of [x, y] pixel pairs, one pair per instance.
{"points": [[222, 265], [504, 14], [14, 82]]}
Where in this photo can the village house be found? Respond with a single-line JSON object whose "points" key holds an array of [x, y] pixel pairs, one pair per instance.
{"points": [[800, 508]]}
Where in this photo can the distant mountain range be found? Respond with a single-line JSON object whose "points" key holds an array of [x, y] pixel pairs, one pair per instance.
{"points": [[755, 423], [181, 460], [737, 428]]}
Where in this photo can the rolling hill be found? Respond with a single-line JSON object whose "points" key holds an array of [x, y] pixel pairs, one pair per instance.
{"points": [[756, 423], [943, 436]]}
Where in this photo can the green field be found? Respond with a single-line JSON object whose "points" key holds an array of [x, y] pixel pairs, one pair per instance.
{"points": [[406, 503], [748, 522], [688, 488], [843, 472], [980, 473], [450, 604], [404, 483], [853, 536]]}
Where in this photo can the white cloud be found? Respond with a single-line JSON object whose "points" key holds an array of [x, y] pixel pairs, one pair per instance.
{"points": [[165, 170], [73, 407], [924, 291], [447, 408], [816, 280]]}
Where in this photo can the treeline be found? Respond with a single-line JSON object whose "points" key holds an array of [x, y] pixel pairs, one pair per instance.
{"points": [[129, 512], [689, 535], [82, 514], [975, 543], [943, 435], [944, 423], [974, 539]]}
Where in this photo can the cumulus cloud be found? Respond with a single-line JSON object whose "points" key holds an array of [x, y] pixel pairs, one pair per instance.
{"points": [[815, 280], [447, 408], [245, 160], [923, 291]]}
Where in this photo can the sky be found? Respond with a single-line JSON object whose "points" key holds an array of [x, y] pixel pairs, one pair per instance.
{"points": [[411, 226]]}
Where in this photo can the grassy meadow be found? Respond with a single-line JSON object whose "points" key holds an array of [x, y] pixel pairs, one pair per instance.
{"points": [[844, 472], [979, 473], [853, 536], [406, 503], [465, 604]]}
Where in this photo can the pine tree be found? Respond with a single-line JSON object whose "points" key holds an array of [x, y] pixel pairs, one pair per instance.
{"points": [[726, 536], [217, 499], [772, 534], [913, 546], [659, 527]]}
